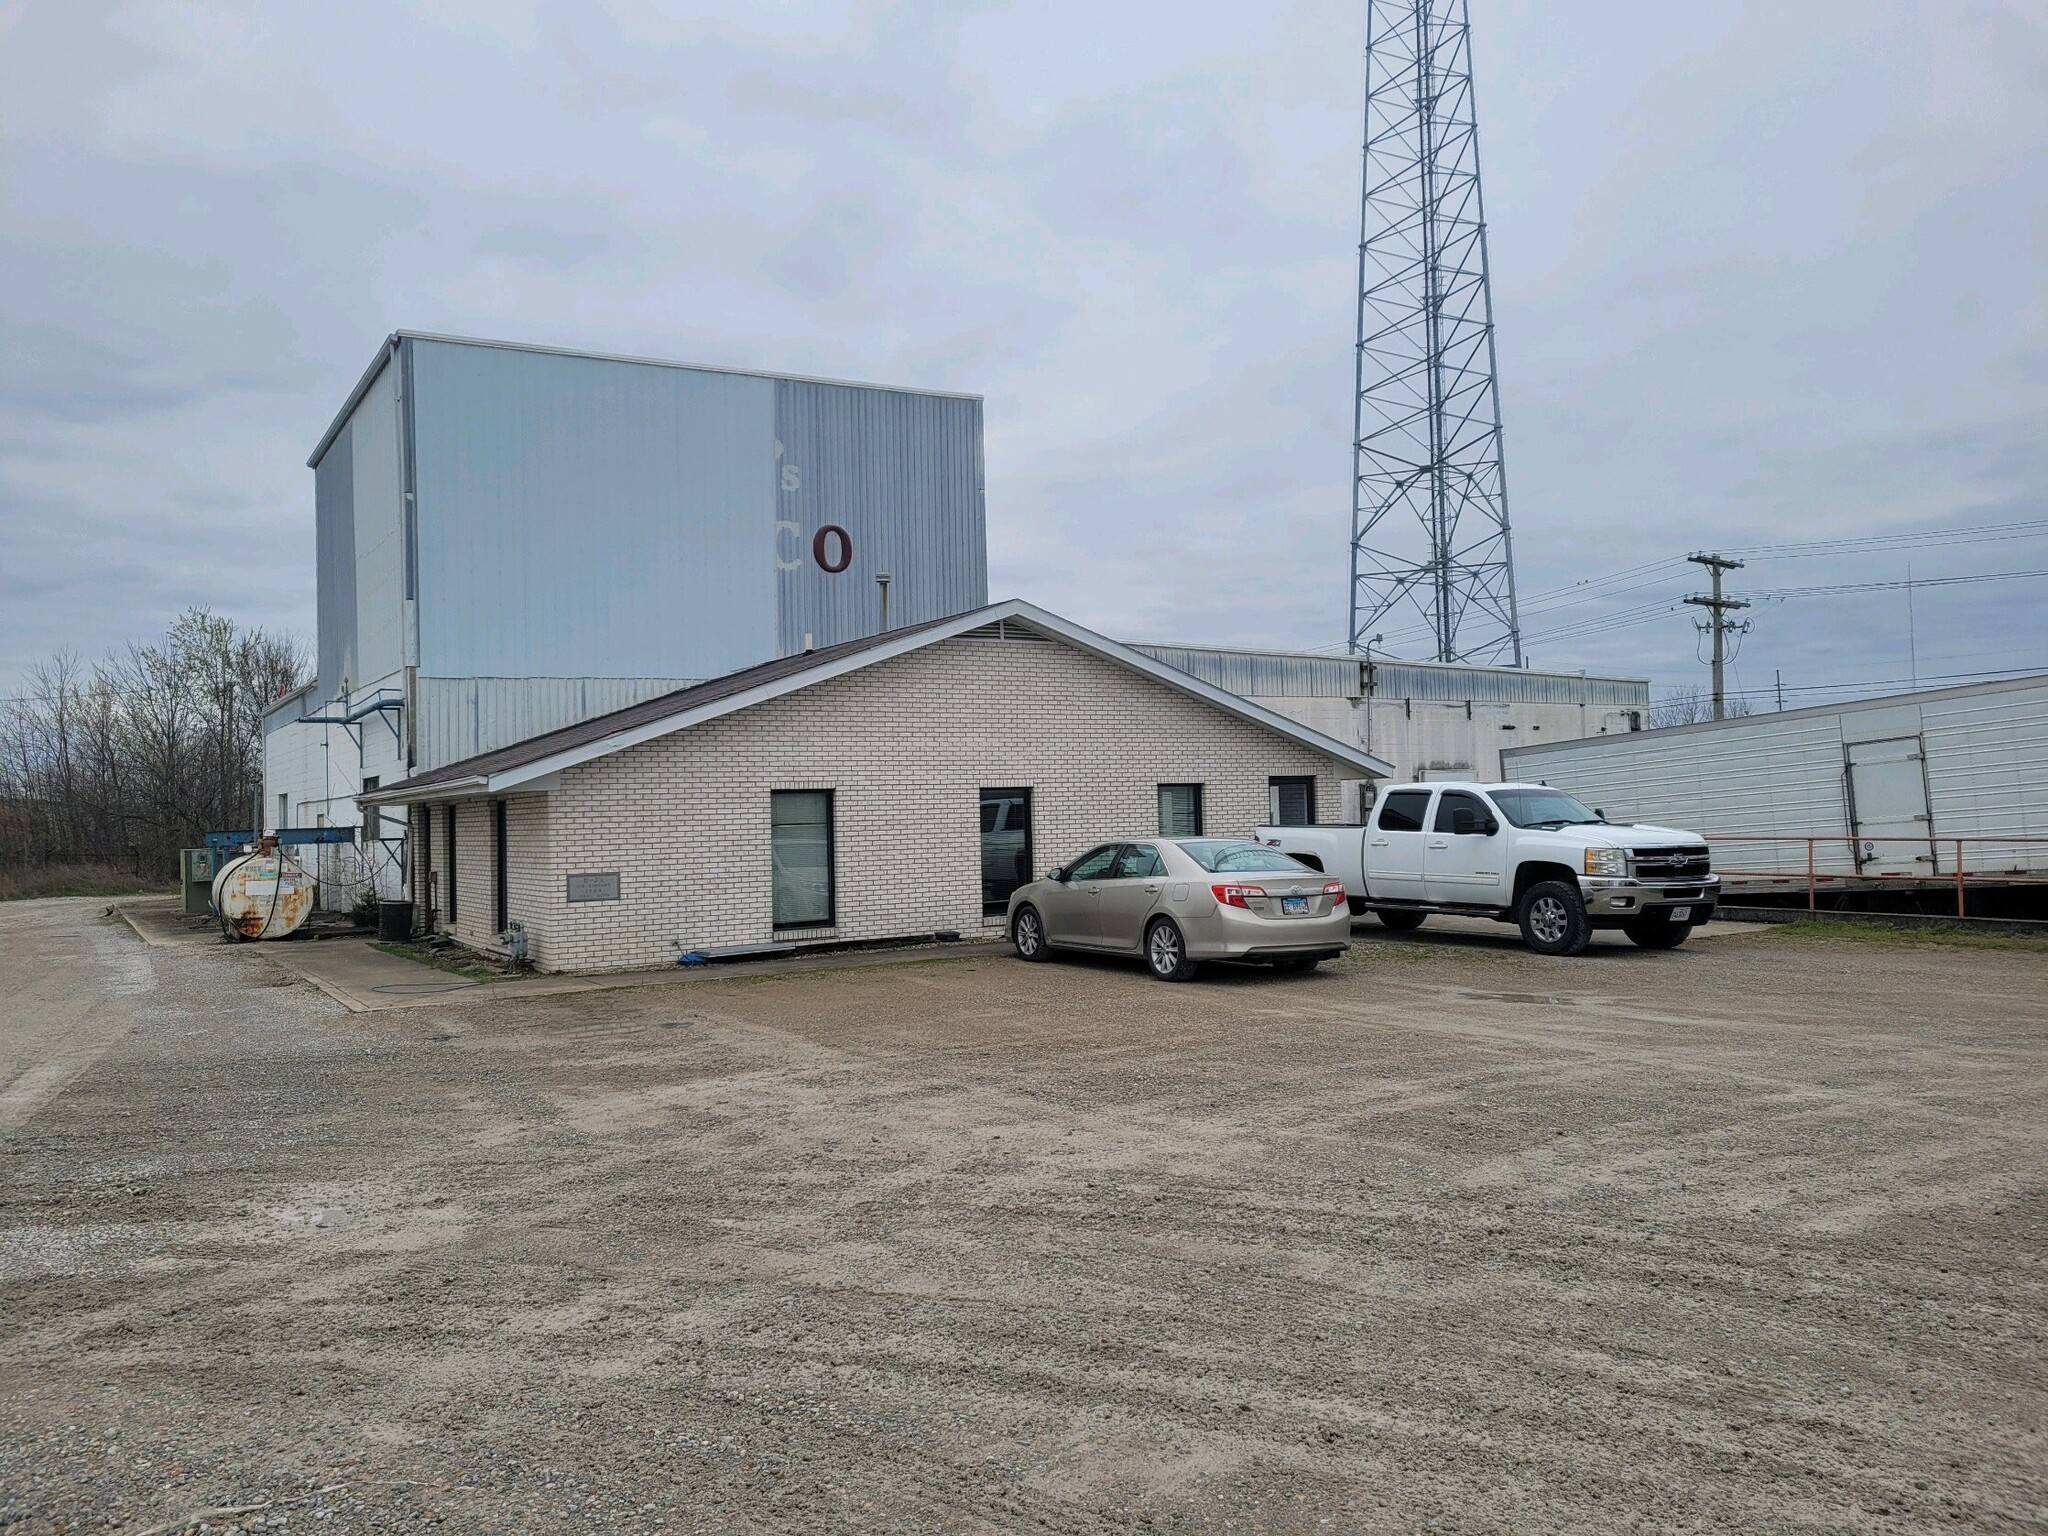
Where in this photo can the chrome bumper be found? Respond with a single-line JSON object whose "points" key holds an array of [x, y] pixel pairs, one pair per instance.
{"points": [[1615, 897]]}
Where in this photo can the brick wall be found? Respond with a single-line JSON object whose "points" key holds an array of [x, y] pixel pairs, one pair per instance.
{"points": [[906, 746], [475, 873]]}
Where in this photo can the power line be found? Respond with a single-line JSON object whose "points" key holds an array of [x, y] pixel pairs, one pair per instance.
{"points": [[1916, 582]]}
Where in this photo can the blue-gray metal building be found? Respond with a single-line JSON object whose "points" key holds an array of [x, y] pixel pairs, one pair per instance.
{"points": [[513, 538], [489, 512]]}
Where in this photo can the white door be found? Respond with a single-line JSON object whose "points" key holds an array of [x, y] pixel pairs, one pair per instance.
{"points": [[1393, 846], [1461, 860], [1888, 798]]}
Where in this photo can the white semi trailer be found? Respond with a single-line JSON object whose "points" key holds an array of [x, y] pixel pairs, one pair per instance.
{"points": [[1886, 791]]}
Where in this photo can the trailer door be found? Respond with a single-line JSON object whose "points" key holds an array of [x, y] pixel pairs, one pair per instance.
{"points": [[1888, 798]]}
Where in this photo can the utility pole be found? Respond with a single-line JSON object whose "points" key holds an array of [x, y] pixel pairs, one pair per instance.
{"points": [[1778, 678], [1718, 623]]}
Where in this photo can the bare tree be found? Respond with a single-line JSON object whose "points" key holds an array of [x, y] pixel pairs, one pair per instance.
{"points": [[129, 760], [1690, 706]]}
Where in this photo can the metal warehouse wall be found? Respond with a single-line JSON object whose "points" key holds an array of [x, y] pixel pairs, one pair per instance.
{"points": [[1784, 773], [358, 503], [1256, 674]]}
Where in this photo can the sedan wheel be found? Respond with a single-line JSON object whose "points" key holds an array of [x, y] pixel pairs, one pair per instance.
{"points": [[1027, 932], [1166, 952]]}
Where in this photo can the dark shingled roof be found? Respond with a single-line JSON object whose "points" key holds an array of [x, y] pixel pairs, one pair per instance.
{"points": [[586, 732]]}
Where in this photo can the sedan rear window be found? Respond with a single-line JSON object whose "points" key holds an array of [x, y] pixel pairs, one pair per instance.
{"points": [[1229, 858]]}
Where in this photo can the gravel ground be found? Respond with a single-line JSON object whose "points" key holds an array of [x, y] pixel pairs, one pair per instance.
{"points": [[1746, 1237]]}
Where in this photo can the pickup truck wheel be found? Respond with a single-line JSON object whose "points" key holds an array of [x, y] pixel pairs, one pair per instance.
{"points": [[1166, 952], [1553, 919], [1027, 933], [1656, 932], [1401, 922]]}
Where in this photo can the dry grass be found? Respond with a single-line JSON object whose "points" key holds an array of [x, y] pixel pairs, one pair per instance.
{"points": [[73, 880]]}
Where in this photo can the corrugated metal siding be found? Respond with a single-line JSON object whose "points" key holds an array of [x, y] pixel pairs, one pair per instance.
{"points": [[334, 547], [379, 530], [902, 474], [1985, 770], [583, 518], [460, 717], [1282, 675]]}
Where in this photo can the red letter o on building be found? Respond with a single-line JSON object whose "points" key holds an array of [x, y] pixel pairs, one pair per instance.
{"points": [[844, 555]]}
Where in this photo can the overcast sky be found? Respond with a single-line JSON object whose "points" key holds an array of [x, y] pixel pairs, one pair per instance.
{"points": [[1762, 273]]}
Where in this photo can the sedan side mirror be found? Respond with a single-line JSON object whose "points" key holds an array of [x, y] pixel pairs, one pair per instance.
{"points": [[1056, 874]]}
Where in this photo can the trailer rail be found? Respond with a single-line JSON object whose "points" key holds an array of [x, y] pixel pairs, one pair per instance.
{"points": [[1974, 863]]}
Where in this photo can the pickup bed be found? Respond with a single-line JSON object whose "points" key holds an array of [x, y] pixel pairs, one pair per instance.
{"points": [[1518, 853]]}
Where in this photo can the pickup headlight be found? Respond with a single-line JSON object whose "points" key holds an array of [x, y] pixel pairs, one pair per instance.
{"points": [[1607, 861]]}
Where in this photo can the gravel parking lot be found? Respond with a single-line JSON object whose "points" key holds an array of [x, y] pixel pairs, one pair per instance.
{"points": [[1747, 1237]]}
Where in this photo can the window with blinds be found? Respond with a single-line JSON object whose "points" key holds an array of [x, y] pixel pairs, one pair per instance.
{"points": [[1292, 801], [1180, 810]]}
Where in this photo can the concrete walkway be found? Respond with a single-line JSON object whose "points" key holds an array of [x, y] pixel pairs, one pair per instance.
{"points": [[364, 979]]}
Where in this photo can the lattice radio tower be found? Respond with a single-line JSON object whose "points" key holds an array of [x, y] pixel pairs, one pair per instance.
{"points": [[1429, 500]]}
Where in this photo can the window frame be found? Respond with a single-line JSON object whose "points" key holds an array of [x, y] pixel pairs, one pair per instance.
{"points": [[831, 917], [454, 869], [1195, 790], [1275, 782], [991, 907], [1447, 800], [1428, 798]]}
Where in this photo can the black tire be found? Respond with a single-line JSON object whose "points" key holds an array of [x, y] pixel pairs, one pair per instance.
{"points": [[1656, 931], [1553, 918], [1401, 922], [1166, 952], [1027, 934]]}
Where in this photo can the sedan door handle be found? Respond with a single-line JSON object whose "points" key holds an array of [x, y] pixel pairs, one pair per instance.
{"points": [[1151, 890]]}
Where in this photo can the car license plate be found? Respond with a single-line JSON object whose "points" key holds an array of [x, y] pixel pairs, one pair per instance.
{"points": [[1294, 906], [1681, 914]]}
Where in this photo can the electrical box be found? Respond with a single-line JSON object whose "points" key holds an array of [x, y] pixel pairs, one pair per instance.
{"points": [[197, 865]]}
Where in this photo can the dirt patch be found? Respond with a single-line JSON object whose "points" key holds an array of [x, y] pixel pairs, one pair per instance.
{"points": [[1448, 1236]]}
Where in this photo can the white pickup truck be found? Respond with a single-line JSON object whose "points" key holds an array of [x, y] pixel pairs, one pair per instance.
{"points": [[1518, 853]]}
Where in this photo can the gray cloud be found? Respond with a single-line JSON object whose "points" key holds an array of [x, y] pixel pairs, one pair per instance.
{"points": [[1760, 274]]}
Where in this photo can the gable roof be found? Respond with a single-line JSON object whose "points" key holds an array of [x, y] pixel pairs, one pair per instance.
{"points": [[538, 757]]}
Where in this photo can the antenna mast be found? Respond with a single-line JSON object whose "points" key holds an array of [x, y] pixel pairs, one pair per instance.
{"points": [[1429, 501]]}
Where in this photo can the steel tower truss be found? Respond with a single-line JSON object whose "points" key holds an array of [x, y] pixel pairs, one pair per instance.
{"points": [[1429, 503]]}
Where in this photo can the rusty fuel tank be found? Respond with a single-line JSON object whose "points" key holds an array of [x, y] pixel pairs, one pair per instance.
{"points": [[262, 895]]}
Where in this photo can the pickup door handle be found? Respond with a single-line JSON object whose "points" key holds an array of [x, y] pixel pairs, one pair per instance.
{"points": [[1438, 842], [1379, 842]]}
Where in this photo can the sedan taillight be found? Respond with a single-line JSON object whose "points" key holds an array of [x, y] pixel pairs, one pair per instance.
{"points": [[1333, 888], [1238, 895]]}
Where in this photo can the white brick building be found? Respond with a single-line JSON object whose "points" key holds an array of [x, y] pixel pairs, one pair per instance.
{"points": [[884, 788]]}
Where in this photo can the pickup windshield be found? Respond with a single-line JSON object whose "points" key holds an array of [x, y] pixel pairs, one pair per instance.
{"points": [[1231, 858], [1543, 808]]}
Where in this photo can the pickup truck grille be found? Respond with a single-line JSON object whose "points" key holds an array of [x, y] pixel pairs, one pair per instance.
{"points": [[1672, 863]]}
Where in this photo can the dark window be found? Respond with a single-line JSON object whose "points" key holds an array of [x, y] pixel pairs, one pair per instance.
{"points": [[373, 824], [800, 832], [1292, 801], [453, 867], [1452, 801], [1220, 857], [1180, 810], [1541, 807], [501, 907], [1403, 810], [1094, 865], [1005, 845], [1139, 861]]}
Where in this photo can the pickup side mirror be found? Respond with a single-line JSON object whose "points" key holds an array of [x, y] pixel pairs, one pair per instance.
{"points": [[1489, 827]]}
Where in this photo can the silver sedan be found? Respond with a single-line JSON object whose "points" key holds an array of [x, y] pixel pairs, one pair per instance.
{"points": [[1180, 901]]}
